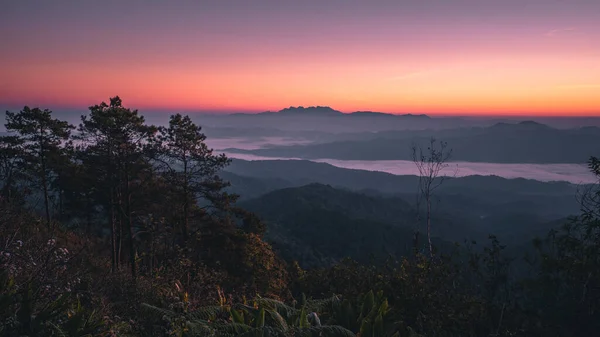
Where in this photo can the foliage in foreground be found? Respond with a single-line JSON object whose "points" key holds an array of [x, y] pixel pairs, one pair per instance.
{"points": [[51, 287], [368, 315], [129, 244]]}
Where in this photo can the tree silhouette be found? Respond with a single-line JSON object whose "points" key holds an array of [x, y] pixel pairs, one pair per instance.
{"points": [[11, 165], [430, 163], [189, 166], [113, 139], [42, 137]]}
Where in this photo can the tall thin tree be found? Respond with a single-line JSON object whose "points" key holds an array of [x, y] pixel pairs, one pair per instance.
{"points": [[189, 166], [43, 137], [11, 165], [430, 163], [112, 140]]}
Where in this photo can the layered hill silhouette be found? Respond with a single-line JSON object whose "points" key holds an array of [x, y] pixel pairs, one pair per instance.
{"points": [[475, 206], [524, 142], [324, 111], [305, 222], [327, 119], [293, 173]]}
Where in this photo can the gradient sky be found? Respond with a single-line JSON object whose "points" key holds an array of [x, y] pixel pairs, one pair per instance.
{"points": [[422, 56]]}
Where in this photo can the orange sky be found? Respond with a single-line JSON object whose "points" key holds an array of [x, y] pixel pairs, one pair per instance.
{"points": [[541, 59]]}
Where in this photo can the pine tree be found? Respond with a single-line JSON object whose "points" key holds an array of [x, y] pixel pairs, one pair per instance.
{"points": [[43, 138], [113, 140], [11, 165], [77, 191], [190, 167]]}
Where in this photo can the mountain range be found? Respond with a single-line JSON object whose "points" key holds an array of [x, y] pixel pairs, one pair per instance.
{"points": [[305, 205], [327, 119], [328, 111], [304, 223], [330, 120], [523, 142]]}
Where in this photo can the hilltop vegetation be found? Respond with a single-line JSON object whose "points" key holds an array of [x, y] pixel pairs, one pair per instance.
{"points": [[305, 223], [121, 228]]}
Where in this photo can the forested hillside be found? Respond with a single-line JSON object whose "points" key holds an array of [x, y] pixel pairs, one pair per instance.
{"points": [[115, 227], [305, 224]]}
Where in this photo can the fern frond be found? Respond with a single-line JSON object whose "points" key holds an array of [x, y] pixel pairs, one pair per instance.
{"points": [[57, 330], [199, 328], [265, 331], [233, 329], [156, 312], [320, 305], [279, 321], [324, 330], [282, 308], [205, 313]]}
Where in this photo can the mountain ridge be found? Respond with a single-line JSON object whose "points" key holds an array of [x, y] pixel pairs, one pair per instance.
{"points": [[329, 111]]}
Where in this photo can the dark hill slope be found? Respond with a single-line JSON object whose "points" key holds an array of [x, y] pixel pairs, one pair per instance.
{"points": [[318, 224], [304, 172], [317, 196]]}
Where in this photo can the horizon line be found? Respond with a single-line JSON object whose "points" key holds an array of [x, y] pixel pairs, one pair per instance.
{"points": [[228, 111]]}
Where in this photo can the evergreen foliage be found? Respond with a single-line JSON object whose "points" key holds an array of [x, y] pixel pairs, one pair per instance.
{"points": [[137, 237]]}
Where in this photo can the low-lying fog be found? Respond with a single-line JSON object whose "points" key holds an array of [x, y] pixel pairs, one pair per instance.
{"points": [[573, 173]]}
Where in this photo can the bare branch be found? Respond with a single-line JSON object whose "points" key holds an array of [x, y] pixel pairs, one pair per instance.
{"points": [[430, 164]]}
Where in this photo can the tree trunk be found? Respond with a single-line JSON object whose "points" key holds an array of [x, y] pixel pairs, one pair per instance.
{"points": [[185, 202], [43, 176], [131, 243], [113, 232], [6, 190], [429, 226], [119, 211], [111, 207], [152, 253], [88, 215], [119, 235], [46, 202], [129, 222], [45, 189], [61, 196]]}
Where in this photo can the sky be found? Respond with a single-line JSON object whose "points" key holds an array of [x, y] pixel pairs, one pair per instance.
{"points": [[453, 57]]}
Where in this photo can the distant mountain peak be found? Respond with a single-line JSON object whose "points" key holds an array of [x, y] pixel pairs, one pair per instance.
{"points": [[328, 111], [311, 110], [532, 124], [524, 125], [374, 113]]}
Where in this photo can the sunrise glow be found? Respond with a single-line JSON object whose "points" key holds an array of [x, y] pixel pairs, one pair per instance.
{"points": [[474, 57]]}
